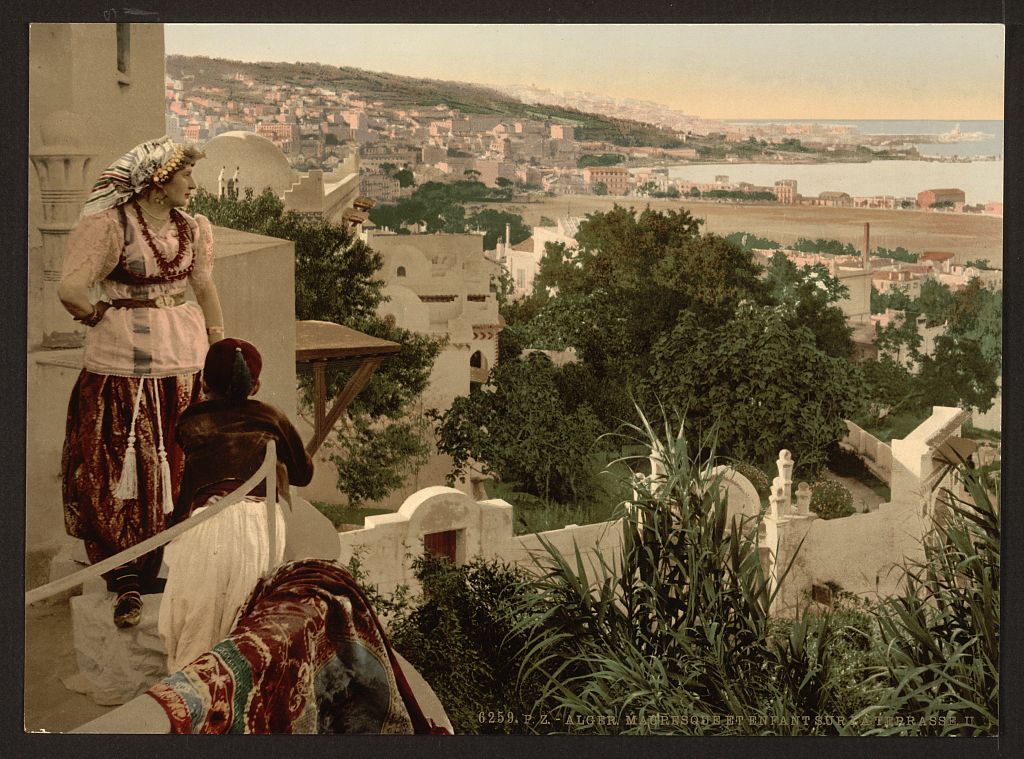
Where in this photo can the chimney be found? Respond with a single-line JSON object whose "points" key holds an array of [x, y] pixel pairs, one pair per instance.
{"points": [[867, 246], [508, 235]]}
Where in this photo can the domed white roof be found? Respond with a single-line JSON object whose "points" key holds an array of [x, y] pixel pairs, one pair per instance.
{"points": [[260, 163]]}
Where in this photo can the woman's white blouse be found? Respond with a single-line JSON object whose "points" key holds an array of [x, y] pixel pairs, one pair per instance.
{"points": [[141, 342]]}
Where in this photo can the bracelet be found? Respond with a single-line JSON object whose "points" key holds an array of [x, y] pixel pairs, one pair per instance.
{"points": [[214, 330], [94, 317]]}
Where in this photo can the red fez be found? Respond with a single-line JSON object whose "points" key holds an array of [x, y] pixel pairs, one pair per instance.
{"points": [[220, 362]]}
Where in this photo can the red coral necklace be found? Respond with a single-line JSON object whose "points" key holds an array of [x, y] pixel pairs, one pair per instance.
{"points": [[167, 268]]}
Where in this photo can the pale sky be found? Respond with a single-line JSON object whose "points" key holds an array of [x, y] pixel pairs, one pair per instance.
{"points": [[942, 72]]}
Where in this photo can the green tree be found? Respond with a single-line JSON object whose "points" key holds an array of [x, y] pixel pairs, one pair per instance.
{"points": [[520, 427], [440, 206], [762, 382], [810, 293], [900, 340], [335, 280], [958, 374], [405, 178], [625, 286], [600, 188], [605, 159], [891, 389], [935, 302], [969, 303], [893, 298], [748, 241], [387, 168], [820, 245], [898, 254], [460, 635], [504, 182], [492, 223]]}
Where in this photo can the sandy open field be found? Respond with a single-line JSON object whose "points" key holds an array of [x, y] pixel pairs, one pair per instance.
{"points": [[969, 236]]}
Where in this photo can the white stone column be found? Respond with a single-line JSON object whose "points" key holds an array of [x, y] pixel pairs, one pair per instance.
{"points": [[803, 499], [778, 506], [63, 167], [785, 467]]}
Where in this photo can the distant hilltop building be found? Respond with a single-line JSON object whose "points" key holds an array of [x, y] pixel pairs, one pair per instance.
{"points": [[928, 198], [614, 178], [260, 164]]}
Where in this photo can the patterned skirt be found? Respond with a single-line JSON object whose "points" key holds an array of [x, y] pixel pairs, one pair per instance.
{"points": [[95, 442]]}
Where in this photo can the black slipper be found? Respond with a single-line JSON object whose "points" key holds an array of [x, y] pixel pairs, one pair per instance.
{"points": [[128, 609]]}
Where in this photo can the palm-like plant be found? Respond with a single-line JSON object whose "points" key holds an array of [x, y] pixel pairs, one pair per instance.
{"points": [[942, 633], [679, 625]]}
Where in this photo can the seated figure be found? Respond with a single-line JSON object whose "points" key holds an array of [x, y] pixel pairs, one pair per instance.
{"points": [[213, 567]]}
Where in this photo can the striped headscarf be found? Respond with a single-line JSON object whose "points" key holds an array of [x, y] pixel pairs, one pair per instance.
{"points": [[152, 161]]}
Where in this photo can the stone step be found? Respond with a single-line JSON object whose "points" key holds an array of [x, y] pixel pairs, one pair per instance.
{"points": [[115, 665]]}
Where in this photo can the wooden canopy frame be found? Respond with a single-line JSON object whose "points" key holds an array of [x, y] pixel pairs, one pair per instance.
{"points": [[319, 343]]}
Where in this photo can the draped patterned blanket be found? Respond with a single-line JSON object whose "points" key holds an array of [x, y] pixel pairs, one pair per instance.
{"points": [[307, 656]]}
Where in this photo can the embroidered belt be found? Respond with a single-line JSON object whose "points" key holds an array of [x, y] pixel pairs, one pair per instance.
{"points": [[162, 301]]}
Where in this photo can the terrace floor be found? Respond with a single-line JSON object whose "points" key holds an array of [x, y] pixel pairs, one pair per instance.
{"points": [[49, 656]]}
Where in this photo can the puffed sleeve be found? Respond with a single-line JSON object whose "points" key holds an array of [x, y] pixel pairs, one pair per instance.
{"points": [[202, 268], [292, 452], [94, 248]]}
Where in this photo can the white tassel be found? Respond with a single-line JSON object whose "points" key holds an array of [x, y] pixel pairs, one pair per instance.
{"points": [[128, 485], [166, 495], [165, 483]]}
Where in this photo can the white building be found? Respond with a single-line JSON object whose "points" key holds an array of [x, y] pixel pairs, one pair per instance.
{"points": [[523, 260], [261, 164], [440, 285]]}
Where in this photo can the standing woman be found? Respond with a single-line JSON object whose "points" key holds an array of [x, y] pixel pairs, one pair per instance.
{"points": [[145, 347]]}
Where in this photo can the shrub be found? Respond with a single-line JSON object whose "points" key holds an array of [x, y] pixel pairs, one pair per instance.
{"points": [[762, 484], [458, 636], [831, 500]]}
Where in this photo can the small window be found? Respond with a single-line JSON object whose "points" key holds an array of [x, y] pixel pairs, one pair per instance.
{"points": [[400, 272], [476, 360], [442, 545], [124, 52]]}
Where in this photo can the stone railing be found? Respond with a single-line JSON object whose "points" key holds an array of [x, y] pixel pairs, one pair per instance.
{"points": [[876, 455], [258, 308], [266, 473]]}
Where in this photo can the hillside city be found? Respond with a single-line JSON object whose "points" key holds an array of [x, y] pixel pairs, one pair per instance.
{"points": [[317, 126]]}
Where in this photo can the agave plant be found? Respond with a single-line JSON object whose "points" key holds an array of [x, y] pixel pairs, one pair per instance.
{"points": [[941, 675], [678, 624]]}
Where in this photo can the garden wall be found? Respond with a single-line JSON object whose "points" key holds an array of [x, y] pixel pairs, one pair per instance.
{"points": [[453, 522], [875, 454]]}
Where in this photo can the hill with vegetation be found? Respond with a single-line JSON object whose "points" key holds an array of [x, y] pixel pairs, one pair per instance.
{"points": [[399, 92]]}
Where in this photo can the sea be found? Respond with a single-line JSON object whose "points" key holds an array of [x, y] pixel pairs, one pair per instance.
{"points": [[981, 180]]}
